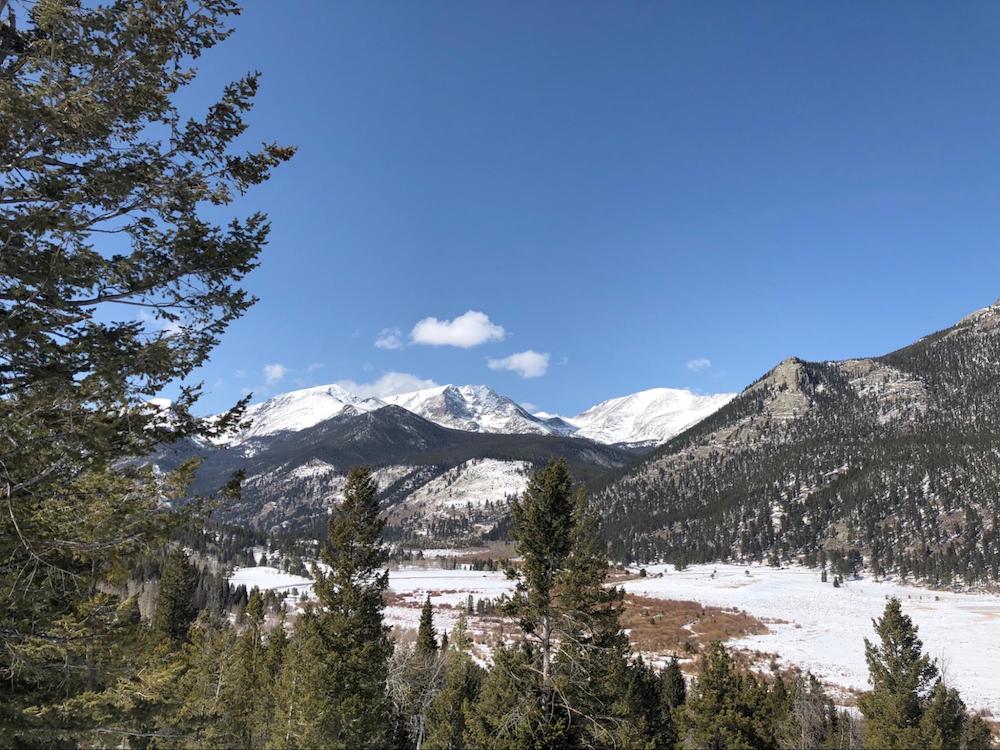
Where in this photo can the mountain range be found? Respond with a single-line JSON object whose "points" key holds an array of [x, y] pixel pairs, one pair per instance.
{"points": [[889, 461], [447, 459], [641, 419]]}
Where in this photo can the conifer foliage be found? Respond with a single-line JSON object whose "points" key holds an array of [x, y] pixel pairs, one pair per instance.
{"points": [[909, 705], [114, 282], [339, 660]]}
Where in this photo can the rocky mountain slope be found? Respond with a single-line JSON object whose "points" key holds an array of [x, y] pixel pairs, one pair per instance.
{"points": [[892, 460]]}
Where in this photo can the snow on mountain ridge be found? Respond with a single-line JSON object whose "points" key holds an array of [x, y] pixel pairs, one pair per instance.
{"points": [[476, 408], [646, 417], [297, 410], [650, 416]]}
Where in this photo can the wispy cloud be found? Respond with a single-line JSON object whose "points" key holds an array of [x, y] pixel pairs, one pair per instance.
{"points": [[389, 338], [699, 364], [467, 330], [389, 384], [527, 364], [274, 372], [314, 366]]}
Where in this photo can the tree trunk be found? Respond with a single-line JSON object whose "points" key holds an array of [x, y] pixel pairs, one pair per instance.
{"points": [[546, 664]]}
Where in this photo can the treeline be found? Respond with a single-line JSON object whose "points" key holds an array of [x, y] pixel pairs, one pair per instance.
{"points": [[568, 678]]}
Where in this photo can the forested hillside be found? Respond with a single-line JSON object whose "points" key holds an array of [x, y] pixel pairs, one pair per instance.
{"points": [[891, 461]]}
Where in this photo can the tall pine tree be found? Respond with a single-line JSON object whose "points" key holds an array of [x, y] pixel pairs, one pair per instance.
{"points": [[341, 657], [902, 679], [110, 200]]}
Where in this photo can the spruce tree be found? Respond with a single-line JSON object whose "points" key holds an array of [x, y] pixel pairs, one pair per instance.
{"points": [[175, 610], [427, 643], [542, 525], [245, 697], [342, 658], [673, 687], [720, 709], [902, 678], [446, 719], [608, 699], [507, 713]]}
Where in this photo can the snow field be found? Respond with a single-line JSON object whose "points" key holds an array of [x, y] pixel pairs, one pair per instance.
{"points": [[821, 628], [811, 624]]}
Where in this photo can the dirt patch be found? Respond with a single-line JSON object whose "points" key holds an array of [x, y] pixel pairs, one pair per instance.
{"points": [[668, 626]]}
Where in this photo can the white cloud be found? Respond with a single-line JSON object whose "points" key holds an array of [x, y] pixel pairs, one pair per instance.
{"points": [[314, 366], [469, 329], [389, 338], [389, 384], [274, 372], [527, 364], [696, 365], [529, 407]]}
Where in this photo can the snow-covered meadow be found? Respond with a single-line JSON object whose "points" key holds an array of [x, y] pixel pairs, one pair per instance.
{"points": [[410, 585], [811, 624], [821, 628]]}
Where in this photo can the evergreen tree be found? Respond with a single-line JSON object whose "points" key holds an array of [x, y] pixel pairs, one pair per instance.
{"points": [[246, 695], [976, 735], [942, 719], [175, 609], [507, 714], [446, 719], [608, 699], [301, 698], [108, 196], [673, 688], [426, 635], [902, 678], [342, 656], [542, 526], [719, 713]]}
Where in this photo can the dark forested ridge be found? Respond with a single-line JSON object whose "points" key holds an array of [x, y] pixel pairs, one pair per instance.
{"points": [[890, 460]]}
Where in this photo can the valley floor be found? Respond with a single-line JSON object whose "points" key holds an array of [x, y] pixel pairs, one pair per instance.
{"points": [[810, 625], [817, 627]]}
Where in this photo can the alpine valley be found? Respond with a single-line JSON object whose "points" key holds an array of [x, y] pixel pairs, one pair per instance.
{"points": [[890, 461], [447, 459]]}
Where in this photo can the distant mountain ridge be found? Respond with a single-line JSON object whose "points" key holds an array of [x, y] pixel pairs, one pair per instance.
{"points": [[293, 477], [645, 418]]}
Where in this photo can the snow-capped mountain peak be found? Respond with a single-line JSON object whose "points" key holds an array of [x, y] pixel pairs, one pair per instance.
{"points": [[650, 416], [647, 417], [476, 408], [297, 410]]}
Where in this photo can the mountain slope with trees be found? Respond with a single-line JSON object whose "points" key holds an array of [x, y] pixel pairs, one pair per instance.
{"points": [[889, 461]]}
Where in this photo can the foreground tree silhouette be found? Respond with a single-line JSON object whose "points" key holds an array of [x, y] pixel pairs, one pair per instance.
{"points": [[113, 283]]}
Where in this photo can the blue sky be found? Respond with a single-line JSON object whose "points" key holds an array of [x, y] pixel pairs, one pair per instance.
{"points": [[651, 194]]}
